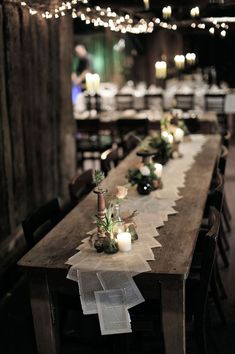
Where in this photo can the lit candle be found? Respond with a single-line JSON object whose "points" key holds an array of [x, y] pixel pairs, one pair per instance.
{"points": [[96, 82], [195, 12], [179, 61], [124, 241], [191, 58], [178, 135], [146, 4], [166, 12], [158, 170], [161, 69], [89, 82]]}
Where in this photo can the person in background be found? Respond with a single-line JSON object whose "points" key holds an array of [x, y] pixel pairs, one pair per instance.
{"points": [[82, 66]]}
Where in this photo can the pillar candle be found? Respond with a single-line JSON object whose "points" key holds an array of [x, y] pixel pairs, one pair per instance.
{"points": [[124, 241], [166, 12], [191, 58], [89, 83], [161, 69], [96, 82], [158, 170], [179, 61]]}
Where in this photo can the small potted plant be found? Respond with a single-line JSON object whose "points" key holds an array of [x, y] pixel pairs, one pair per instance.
{"points": [[107, 242]]}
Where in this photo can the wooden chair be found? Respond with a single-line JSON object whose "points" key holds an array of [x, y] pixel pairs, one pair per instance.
{"points": [[154, 101], [81, 185], [216, 198], [147, 316], [137, 127], [40, 222], [124, 101], [129, 142], [198, 285], [222, 168], [214, 102], [109, 159], [184, 101], [91, 140]]}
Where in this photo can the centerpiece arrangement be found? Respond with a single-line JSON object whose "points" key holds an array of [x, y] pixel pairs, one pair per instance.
{"points": [[113, 233], [147, 177], [171, 131], [162, 146]]}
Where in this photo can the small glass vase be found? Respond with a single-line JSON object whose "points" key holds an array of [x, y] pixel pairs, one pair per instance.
{"points": [[119, 224], [144, 187], [110, 245]]}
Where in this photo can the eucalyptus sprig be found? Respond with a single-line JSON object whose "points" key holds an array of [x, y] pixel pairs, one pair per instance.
{"points": [[98, 177], [106, 224]]}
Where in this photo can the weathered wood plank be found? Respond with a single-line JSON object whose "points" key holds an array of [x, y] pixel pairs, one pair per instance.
{"points": [[42, 309], [67, 155], [53, 108], [174, 258], [14, 76], [173, 315], [37, 152], [4, 207]]}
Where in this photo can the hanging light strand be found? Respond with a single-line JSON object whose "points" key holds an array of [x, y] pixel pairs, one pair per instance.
{"points": [[55, 12], [107, 18]]}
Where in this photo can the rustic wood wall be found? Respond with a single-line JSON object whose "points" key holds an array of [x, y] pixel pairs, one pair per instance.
{"points": [[37, 150], [155, 47]]}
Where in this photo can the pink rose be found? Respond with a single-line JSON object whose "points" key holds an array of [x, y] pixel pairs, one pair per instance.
{"points": [[121, 192]]}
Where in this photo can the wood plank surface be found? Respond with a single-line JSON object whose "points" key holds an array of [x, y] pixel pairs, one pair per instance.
{"points": [[178, 236], [37, 145]]}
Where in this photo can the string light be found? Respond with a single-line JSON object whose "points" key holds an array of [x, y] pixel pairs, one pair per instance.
{"points": [[223, 33], [107, 18], [211, 30]]}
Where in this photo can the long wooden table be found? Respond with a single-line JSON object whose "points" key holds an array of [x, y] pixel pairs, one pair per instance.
{"points": [[45, 263]]}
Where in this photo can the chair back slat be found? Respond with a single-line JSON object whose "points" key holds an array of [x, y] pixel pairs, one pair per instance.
{"points": [[208, 257], [80, 186], [154, 101], [42, 220], [215, 102], [109, 159], [184, 101], [124, 101]]}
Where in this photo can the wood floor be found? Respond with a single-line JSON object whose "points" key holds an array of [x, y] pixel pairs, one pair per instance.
{"points": [[16, 335]]}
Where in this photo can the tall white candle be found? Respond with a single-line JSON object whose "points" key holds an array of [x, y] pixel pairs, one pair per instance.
{"points": [[124, 241], [179, 61], [96, 82], [178, 135], [89, 83], [158, 170], [191, 58], [161, 69], [166, 12]]}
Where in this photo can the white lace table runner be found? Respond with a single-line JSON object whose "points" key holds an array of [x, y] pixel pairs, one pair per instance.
{"points": [[153, 211]]}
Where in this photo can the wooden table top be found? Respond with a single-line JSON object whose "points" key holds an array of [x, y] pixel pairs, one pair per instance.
{"points": [[178, 236]]}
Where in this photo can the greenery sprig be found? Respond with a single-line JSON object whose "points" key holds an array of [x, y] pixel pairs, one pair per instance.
{"points": [[106, 224], [136, 175], [98, 177]]}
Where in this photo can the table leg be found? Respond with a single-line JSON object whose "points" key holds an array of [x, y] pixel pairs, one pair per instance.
{"points": [[173, 316], [44, 316]]}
